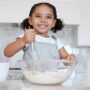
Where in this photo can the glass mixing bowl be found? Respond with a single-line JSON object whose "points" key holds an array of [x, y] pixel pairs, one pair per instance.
{"points": [[48, 72]]}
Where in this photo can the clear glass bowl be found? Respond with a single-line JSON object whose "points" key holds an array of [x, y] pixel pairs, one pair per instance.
{"points": [[48, 71]]}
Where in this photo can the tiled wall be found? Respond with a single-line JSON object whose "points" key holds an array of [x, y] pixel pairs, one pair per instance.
{"points": [[8, 33]]}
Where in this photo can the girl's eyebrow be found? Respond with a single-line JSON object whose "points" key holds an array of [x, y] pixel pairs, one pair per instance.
{"points": [[46, 14]]}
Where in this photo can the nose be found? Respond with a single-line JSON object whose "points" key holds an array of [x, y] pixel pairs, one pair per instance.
{"points": [[43, 19]]}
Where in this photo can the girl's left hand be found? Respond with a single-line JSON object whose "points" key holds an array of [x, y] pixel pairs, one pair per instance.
{"points": [[71, 57]]}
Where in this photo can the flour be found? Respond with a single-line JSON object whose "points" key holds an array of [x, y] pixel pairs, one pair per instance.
{"points": [[47, 77]]}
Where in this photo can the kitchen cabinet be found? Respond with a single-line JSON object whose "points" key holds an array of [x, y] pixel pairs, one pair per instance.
{"points": [[84, 28], [16, 11]]}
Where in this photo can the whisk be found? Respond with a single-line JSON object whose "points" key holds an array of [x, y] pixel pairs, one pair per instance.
{"points": [[34, 55], [37, 64]]}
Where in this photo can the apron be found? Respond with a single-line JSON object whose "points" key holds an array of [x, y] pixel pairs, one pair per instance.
{"points": [[42, 51]]}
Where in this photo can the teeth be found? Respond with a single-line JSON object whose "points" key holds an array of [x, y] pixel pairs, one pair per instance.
{"points": [[42, 26]]}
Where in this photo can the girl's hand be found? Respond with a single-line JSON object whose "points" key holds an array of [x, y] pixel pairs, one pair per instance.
{"points": [[29, 36], [71, 57]]}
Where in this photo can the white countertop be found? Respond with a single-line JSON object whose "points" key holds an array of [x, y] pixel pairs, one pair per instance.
{"points": [[30, 86], [71, 84], [26, 85]]}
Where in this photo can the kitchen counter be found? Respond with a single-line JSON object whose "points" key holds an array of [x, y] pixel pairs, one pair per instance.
{"points": [[26, 85], [29, 86], [75, 82]]}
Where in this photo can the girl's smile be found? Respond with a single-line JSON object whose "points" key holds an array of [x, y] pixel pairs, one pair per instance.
{"points": [[42, 26]]}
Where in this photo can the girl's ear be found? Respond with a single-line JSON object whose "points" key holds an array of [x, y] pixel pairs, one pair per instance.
{"points": [[30, 20], [54, 23]]}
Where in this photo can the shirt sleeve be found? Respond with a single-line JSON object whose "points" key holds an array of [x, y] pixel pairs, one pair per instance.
{"points": [[59, 44]]}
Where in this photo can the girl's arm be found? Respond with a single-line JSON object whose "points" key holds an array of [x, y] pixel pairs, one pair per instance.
{"points": [[14, 47], [64, 54]]}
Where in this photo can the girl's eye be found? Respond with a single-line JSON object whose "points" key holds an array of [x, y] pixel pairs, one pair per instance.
{"points": [[49, 17], [38, 16]]}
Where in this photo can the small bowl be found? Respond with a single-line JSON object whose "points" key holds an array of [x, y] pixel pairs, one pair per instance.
{"points": [[48, 72], [4, 68]]}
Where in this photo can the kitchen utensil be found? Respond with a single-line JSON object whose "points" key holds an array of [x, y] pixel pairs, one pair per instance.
{"points": [[33, 51]]}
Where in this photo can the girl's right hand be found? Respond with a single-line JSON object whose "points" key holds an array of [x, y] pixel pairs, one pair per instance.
{"points": [[29, 36]]}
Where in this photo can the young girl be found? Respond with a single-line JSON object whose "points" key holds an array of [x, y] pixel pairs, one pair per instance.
{"points": [[36, 43]]}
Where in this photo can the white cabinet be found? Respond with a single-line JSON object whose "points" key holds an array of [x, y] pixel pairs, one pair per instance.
{"points": [[15, 11], [84, 28]]}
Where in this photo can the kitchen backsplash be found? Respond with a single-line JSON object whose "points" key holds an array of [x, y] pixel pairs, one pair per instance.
{"points": [[9, 32]]}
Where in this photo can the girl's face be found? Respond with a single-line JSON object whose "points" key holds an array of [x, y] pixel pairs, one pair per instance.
{"points": [[42, 19]]}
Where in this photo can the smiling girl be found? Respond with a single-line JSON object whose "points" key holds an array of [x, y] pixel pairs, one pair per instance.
{"points": [[42, 18]]}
